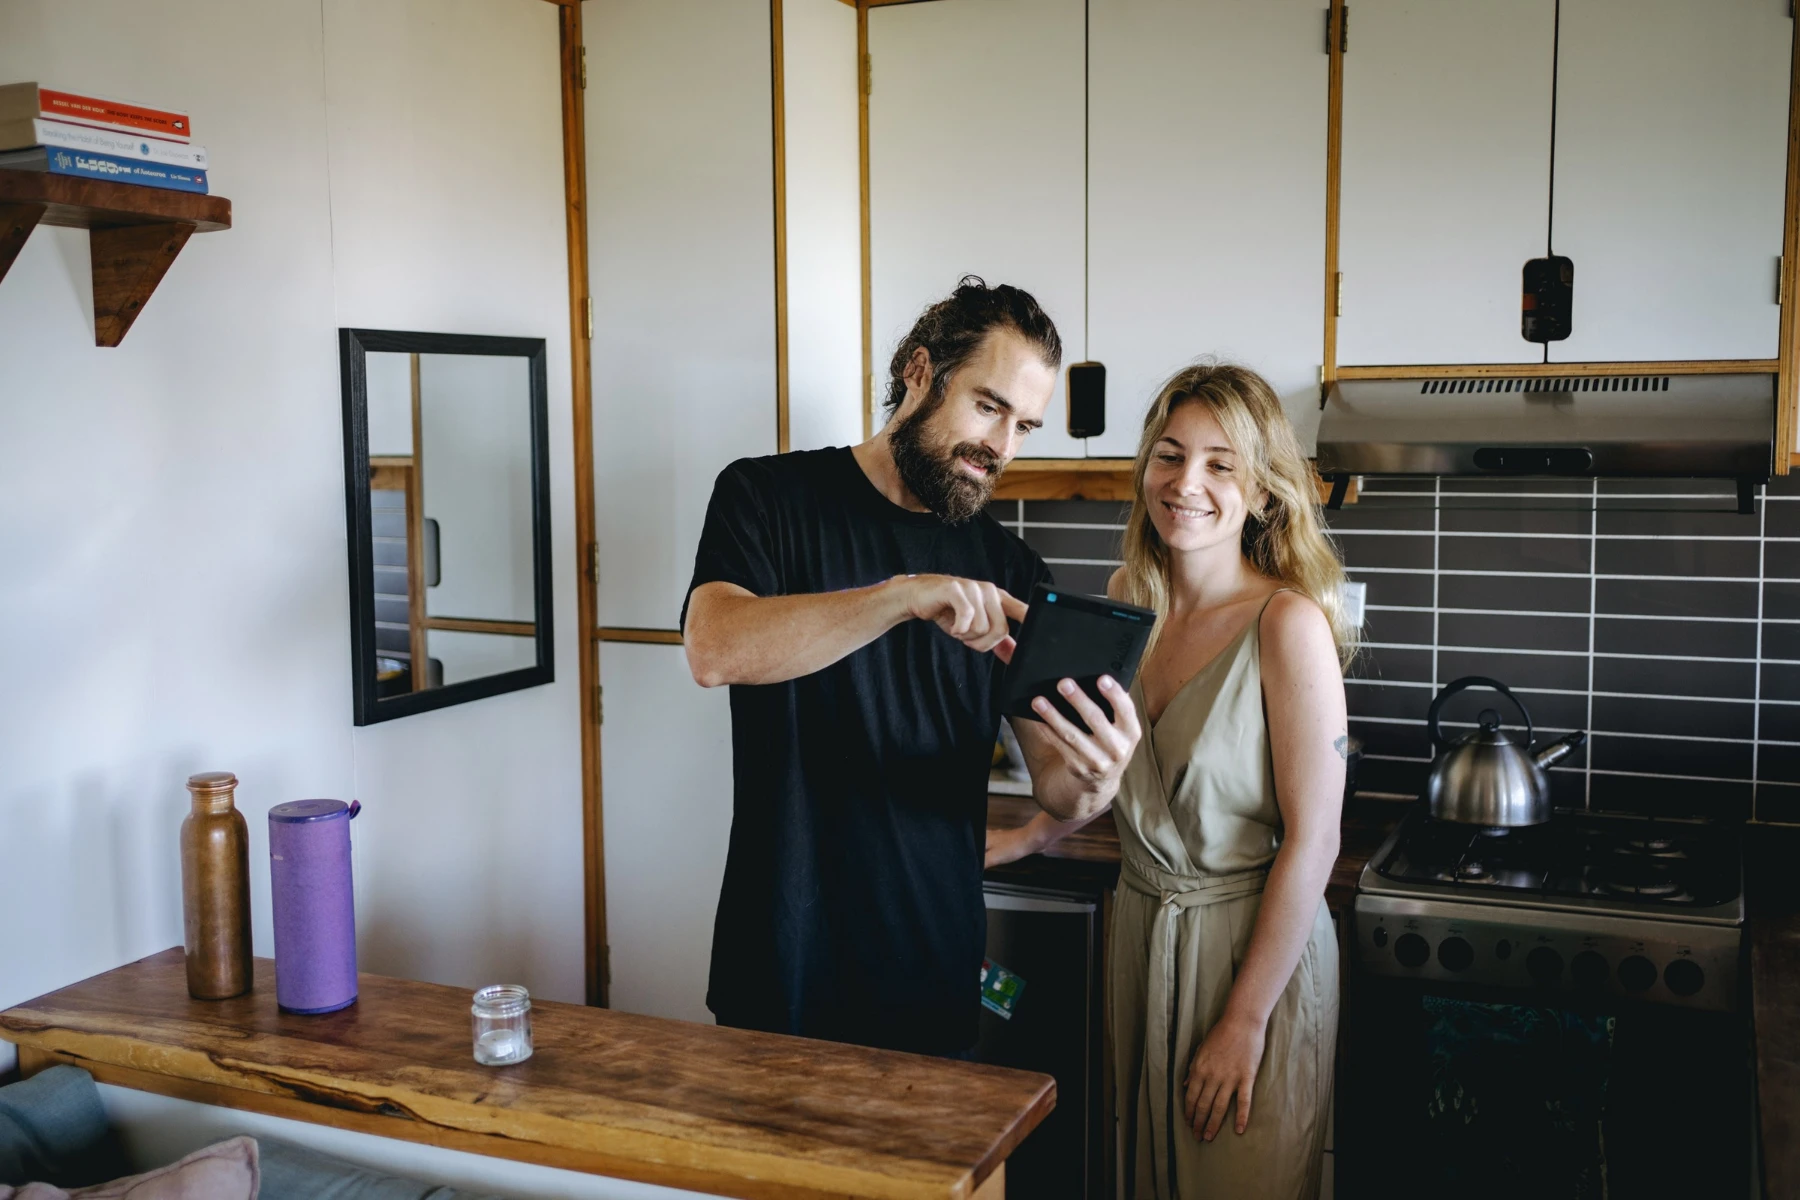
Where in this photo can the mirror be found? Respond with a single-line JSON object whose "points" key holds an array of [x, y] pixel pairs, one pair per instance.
{"points": [[447, 490]]}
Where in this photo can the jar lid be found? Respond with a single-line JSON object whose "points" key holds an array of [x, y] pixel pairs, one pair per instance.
{"points": [[295, 811], [212, 781]]}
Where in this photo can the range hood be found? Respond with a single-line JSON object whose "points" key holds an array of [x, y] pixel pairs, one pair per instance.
{"points": [[1698, 426]]}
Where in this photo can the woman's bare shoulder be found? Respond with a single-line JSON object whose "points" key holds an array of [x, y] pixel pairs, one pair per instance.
{"points": [[1115, 586], [1295, 627]]}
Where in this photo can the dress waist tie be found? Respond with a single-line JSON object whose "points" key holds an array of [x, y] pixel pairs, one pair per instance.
{"points": [[1163, 987]]}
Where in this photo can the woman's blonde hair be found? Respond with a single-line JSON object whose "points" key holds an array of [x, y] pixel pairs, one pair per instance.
{"points": [[1284, 539]]}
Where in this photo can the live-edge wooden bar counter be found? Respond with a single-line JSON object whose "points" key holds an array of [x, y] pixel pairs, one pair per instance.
{"points": [[715, 1110]]}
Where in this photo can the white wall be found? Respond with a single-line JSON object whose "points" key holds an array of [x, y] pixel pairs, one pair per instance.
{"points": [[173, 596], [475, 423]]}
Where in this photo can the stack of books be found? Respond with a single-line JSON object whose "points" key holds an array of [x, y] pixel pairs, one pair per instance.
{"points": [[65, 133]]}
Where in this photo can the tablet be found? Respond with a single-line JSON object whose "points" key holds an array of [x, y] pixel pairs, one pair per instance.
{"points": [[1070, 636]]}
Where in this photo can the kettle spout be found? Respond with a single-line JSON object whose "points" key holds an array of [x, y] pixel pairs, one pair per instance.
{"points": [[1560, 749]]}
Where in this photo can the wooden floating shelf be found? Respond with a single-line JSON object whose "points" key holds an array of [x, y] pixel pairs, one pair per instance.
{"points": [[1088, 479], [1065, 479], [134, 234]]}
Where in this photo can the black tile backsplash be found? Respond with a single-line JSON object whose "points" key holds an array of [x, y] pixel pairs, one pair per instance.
{"points": [[1648, 612]]}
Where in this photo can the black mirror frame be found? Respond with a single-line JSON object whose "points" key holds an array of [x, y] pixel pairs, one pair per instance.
{"points": [[353, 345]]}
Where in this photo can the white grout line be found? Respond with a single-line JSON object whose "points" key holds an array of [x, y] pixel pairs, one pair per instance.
{"points": [[1610, 654], [1437, 580], [1537, 536], [1611, 733], [1762, 553], [1526, 612], [1548, 691], [1587, 760]]}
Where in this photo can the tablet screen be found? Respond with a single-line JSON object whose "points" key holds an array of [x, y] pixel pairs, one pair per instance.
{"points": [[1071, 636]]}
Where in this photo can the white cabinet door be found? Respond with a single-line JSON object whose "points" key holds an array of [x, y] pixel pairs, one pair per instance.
{"points": [[1446, 165], [665, 756], [975, 166], [681, 247], [1671, 153], [1206, 193], [824, 224]]}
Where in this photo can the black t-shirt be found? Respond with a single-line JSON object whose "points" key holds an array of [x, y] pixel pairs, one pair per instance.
{"points": [[851, 907]]}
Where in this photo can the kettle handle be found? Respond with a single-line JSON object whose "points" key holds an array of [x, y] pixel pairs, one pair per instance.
{"points": [[1469, 681]]}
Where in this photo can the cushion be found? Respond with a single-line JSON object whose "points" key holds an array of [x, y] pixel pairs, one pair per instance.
{"points": [[291, 1172], [224, 1171], [53, 1129]]}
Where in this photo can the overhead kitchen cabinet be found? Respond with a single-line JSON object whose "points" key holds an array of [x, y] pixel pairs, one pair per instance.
{"points": [[1671, 168], [1446, 177], [976, 167], [1206, 197]]}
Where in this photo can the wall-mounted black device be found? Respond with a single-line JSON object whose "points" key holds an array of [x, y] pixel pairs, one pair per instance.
{"points": [[1548, 300], [1087, 399]]}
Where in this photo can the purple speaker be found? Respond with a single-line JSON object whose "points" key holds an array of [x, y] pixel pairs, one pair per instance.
{"points": [[315, 911]]}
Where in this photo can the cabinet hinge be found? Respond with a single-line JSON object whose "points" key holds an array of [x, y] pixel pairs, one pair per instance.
{"points": [[868, 75], [583, 65], [590, 318], [606, 966], [599, 705], [593, 563], [1337, 295], [1341, 34], [1780, 276]]}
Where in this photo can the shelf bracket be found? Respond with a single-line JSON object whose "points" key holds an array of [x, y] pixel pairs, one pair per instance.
{"points": [[16, 223], [128, 262]]}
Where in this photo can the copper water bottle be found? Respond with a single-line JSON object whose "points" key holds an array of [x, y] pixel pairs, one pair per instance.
{"points": [[215, 889]]}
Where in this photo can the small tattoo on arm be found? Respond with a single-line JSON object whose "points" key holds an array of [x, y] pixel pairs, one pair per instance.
{"points": [[1342, 746]]}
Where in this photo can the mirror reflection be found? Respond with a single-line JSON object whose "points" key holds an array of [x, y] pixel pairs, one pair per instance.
{"points": [[456, 572]]}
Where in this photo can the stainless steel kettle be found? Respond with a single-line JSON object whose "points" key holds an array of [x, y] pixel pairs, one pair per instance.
{"points": [[1486, 778]]}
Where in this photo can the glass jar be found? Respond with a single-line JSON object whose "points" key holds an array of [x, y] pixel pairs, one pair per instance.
{"points": [[501, 1018]]}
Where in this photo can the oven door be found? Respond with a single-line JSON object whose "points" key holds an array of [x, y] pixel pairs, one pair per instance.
{"points": [[1471, 1091]]}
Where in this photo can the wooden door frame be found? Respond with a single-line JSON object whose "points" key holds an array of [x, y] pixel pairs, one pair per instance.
{"points": [[573, 72]]}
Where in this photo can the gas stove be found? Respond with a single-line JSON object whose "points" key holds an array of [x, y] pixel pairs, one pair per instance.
{"points": [[1591, 906]]}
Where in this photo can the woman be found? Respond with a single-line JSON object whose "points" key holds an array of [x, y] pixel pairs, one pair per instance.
{"points": [[1225, 972]]}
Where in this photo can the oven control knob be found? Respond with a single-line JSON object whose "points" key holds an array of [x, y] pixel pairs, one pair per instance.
{"points": [[1502, 949], [1637, 973], [1379, 937], [1589, 970], [1684, 976], [1544, 965], [1412, 950], [1455, 954]]}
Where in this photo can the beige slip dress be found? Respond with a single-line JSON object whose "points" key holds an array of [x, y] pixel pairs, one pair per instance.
{"points": [[1198, 827]]}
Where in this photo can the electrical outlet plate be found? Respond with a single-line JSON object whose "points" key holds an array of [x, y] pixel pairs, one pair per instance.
{"points": [[1355, 596]]}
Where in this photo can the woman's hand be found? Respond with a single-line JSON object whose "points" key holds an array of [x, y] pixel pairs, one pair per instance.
{"points": [[1095, 760], [1225, 1064], [1009, 845]]}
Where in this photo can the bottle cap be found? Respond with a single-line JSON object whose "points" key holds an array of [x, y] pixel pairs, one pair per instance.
{"points": [[212, 781], [297, 811]]}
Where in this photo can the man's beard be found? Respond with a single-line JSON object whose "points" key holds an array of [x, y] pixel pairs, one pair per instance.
{"points": [[931, 473]]}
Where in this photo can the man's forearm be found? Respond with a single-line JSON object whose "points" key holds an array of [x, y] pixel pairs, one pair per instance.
{"points": [[734, 637]]}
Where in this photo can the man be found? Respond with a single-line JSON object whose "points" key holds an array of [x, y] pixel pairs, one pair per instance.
{"points": [[858, 601]]}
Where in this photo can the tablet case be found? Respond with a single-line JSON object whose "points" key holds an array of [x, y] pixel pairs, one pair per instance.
{"points": [[1070, 636]]}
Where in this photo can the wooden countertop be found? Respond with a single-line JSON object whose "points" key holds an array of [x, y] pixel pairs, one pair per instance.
{"points": [[1090, 855], [695, 1106], [1774, 920]]}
